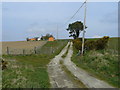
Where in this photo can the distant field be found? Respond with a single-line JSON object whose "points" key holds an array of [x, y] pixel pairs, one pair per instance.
{"points": [[18, 46], [113, 43]]}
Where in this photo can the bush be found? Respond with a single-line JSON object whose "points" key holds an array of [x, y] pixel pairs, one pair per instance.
{"points": [[101, 43], [90, 45], [77, 43]]}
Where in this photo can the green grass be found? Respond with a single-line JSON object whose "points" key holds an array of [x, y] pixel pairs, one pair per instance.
{"points": [[113, 45], [29, 71], [51, 48], [101, 63]]}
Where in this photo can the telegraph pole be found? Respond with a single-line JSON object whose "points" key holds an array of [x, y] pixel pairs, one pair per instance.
{"points": [[83, 39], [57, 32]]}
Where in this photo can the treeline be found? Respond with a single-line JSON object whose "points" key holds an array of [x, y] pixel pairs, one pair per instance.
{"points": [[98, 44]]}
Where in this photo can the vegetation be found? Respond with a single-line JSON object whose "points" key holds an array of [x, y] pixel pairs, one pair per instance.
{"points": [[75, 29], [113, 44], [46, 37], [101, 63], [29, 71], [51, 48], [98, 44], [77, 43]]}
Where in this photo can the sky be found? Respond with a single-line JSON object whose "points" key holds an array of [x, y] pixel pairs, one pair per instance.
{"points": [[34, 19]]}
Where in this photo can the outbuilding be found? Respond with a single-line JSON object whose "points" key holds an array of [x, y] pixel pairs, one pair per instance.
{"points": [[51, 39]]}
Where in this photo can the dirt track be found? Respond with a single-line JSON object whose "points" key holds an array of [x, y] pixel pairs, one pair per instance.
{"points": [[59, 79], [82, 75]]}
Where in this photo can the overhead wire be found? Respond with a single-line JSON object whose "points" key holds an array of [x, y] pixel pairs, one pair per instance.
{"points": [[76, 12]]}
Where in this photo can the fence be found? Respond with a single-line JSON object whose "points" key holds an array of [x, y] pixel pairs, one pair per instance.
{"points": [[49, 48], [35, 50]]}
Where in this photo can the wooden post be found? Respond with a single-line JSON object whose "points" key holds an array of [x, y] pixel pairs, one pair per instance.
{"points": [[23, 51], [35, 50], [57, 32], [8, 50], [51, 50]]}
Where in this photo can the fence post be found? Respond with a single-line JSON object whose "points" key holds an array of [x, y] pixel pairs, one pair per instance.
{"points": [[51, 49], [8, 50], [35, 50], [23, 51]]}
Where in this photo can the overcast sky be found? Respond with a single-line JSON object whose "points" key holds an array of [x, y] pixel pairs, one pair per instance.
{"points": [[33, 19]]}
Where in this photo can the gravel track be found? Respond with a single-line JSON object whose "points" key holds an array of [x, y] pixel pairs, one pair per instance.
{"points": [[59, 79], [82, 75]]}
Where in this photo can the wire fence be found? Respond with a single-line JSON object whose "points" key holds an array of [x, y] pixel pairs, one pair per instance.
{"points": [[35, 50]]}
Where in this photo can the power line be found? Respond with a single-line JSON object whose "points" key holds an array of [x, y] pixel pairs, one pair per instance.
{"points": [[76, 12]]}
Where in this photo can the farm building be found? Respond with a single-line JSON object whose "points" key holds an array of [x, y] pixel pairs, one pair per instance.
{"points": [[34, 39], [51, 39]]}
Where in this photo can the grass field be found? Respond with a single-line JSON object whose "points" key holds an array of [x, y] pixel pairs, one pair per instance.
{"points": [[29, 71], [113, 45], [17, 47], [101, 63]]}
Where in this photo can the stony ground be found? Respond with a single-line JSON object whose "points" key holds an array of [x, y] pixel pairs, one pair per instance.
{"points": [[59, 78]]}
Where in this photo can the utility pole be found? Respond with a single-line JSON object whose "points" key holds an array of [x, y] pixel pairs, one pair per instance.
{"points": [[57, 32], [83, 39]]}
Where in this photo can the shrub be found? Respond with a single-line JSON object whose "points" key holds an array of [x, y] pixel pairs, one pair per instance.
{"points": [[101, 43], [90, 45], [77, 43]]}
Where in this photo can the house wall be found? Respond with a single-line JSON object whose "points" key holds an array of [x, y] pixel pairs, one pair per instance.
{"points": [[51, 39]]}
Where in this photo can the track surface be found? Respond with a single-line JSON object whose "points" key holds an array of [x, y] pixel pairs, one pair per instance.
{"points": [[82, 75], [59, 79]]}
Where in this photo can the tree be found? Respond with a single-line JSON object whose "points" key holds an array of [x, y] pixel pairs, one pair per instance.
{"points": [[46, 37], [27, 39], [75, 29]]}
